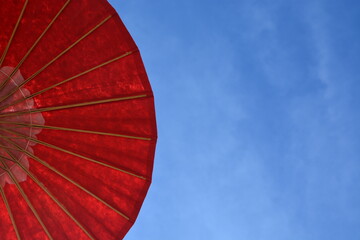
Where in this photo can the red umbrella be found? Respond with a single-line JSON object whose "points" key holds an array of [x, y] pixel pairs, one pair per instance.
{"points": [[77, 122]]}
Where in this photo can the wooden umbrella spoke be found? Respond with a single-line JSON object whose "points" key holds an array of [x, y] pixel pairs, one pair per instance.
{"points": [[83, 104], [69, 152], [9, 211], [64, 81], [16, 138], [25, 197], [47, 165], [56, 58], [12, 35], [73, 130], [35, 44], [12, 159], [7, 147], [42, 186]]}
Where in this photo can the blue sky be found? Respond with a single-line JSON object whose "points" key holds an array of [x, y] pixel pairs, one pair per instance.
{"points": [[258, 118]]}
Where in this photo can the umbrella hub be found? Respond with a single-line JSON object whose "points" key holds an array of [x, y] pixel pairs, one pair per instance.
{"points": [[16, 129]]}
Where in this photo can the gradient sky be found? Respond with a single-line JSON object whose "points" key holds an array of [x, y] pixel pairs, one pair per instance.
{"points": [[258, 118]]}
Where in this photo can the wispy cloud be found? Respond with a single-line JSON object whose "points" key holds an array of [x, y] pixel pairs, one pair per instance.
{"points": [[257, 136]]}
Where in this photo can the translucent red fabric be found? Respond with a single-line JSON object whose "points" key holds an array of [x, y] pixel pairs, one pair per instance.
{"points": [[77, 122]]}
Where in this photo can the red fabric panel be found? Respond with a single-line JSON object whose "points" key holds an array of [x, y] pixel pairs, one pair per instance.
{"points": [[95, 216], [7, 23], [128, 154], [118, 189], [31, 28], [130, 117], [6, 227], [28, 226], [57, 222], [97, 83], [77, 19]]}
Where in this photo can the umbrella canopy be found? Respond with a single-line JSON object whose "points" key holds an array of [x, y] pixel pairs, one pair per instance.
{"points": [[77, 122]]}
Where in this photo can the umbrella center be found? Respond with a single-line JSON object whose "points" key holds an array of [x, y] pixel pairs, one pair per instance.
{"points": [[15, 126]]}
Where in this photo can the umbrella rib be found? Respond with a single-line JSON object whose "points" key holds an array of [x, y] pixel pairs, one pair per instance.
{"points": [[58, 56], [13, 178], [83, 104], [64, 81], [13, 34], [10, 213], [74, 130], [3, 146], [71, 153], [42, 186], [34, 45], [42, 162]]}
